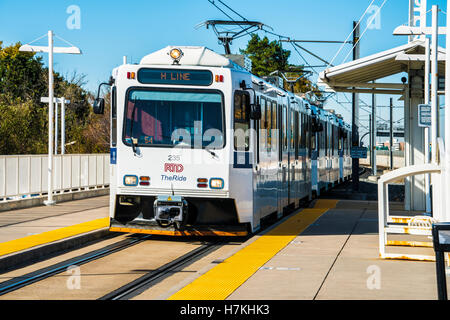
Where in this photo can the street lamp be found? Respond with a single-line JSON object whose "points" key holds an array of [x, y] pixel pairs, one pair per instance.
{"points": [[50, 49]]}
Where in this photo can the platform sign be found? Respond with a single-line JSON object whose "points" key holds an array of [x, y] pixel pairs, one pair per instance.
{"points": [[358, 152], [424, 115]]}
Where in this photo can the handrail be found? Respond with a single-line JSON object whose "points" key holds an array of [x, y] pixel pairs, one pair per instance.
{"points": [[383, 202]]}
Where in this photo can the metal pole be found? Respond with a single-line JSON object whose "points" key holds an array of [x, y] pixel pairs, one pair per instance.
{"points": [[56, 127], [447, 120], [370, 140], [374, 133], [434, 83], [355, 113], [427, 130], [63, 125], [50, 120], [391, 134]]}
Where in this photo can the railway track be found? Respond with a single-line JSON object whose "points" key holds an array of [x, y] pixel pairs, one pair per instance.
{"points": [[44, 273], [153, 277]]}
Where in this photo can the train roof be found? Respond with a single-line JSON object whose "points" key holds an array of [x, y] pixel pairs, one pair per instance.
{"points": [[191, 56], [203, 56]]}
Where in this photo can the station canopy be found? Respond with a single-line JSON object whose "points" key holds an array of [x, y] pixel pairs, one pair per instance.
{"points": [[357, 75]]}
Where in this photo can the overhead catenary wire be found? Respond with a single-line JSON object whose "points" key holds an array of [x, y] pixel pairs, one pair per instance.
{"points": [[365, 30], [351, 33], [296, 46]]}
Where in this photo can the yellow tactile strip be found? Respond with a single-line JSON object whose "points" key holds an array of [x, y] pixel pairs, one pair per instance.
{"points": [[50, 236], [221, 281]]}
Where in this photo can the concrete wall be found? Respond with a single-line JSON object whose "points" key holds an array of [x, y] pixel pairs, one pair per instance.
{"points": [[383, 159]]}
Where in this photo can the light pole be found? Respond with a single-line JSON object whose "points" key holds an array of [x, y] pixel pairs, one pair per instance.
{"points": [[447, 118], [50, 49]]}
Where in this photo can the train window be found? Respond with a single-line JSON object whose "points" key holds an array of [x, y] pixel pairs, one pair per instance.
{"points": [[296, 134], [274, 125], [263, 125], [311, 137], [263, 114], [257, 134], [241, 121], [332, 140], [291, 131], [274, 115], [168, 118], [284, 124], [269, 125], [114, 116]]}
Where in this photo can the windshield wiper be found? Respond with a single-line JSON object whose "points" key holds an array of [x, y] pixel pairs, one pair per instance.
{"points": [[211, 152], [134, 141]]}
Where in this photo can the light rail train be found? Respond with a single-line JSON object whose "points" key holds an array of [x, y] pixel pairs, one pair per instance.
{"points": [[200, 146]]}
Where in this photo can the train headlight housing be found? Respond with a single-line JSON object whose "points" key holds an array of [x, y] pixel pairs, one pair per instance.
{"points": [[216, 183], [130, 181], [176, 54]]}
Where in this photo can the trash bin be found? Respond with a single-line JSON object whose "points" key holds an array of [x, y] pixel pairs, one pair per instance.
{"points": [[441, 243]]}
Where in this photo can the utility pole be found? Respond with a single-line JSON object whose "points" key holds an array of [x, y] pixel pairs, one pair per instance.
{"points": [[355, 112], [427, 129], [374, 133], [434, 84], [370, 139], [391, 134], [447, 120]]}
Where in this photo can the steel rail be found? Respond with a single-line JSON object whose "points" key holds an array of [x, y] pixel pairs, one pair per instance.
{"points": [[153, 277], [44, 273]]}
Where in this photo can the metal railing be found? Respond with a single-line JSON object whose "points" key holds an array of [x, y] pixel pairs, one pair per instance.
{"points": [[23, 176]]}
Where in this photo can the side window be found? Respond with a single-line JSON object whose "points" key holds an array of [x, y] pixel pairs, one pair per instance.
{"points": [[332, 139], [263, 125], [257, 128], [113, 116], [312, 136], [269, 125], [292, 130], [241, 121], [285, 136], [274, 124], [296, 134]]}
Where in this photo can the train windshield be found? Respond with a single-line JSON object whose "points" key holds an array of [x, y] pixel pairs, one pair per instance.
{"points": [[174, 118]]}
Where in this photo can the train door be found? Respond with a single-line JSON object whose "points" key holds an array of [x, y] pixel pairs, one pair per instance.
{"points": [[264, 161], [297, 174], [280, 158], [292, 186], [285, 158], [272, 105]]}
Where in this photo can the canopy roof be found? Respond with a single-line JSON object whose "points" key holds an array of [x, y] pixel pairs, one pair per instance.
{"points": [[359, 73]]}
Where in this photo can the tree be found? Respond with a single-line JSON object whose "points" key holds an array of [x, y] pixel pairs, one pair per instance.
{"points": [[266, 56], [24, 119], [269, 56], [21, 74]]}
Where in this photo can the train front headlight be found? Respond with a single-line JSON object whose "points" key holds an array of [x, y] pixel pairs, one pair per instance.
{"points": [[130, 181], [216, 183]]}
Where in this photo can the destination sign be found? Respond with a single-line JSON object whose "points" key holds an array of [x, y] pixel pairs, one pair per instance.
{"points": [[177, 77]]}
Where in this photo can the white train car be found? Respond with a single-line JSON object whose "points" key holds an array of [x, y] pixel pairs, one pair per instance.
{"points": [[200, 146]]}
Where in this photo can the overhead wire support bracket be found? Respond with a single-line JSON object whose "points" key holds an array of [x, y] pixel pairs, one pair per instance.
{"points": [[227, 36]]}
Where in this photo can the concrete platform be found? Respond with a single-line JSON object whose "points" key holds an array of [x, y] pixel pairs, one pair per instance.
{"points": [[27, 234], [335, 257]]}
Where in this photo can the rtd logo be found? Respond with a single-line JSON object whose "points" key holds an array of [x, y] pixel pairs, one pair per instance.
{"points": [[173, 167]]}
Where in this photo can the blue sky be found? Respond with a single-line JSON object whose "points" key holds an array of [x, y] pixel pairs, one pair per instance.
{"points": [[111, 29]]}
